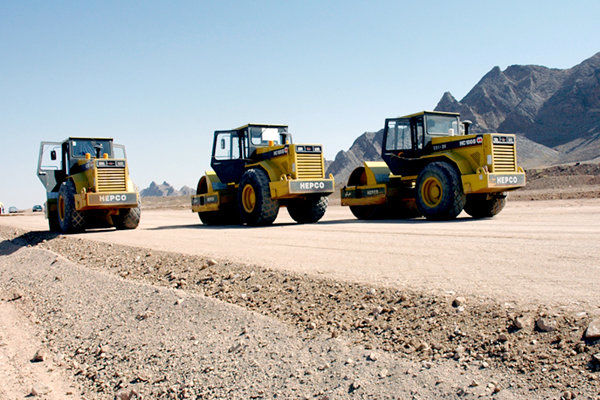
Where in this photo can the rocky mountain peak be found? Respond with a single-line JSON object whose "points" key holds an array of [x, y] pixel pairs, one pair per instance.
{"points": [[165, 189], [554, 112]]}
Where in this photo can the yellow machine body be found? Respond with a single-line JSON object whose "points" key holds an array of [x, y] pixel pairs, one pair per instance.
{"points": [[104, 184], [484, 168], [293, 173], [484, 164]]}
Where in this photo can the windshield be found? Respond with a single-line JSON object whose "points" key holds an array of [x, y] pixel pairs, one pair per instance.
{"points": [[95, 147], [260, 136], [442, 125]]}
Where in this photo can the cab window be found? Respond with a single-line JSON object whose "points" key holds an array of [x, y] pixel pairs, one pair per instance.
{"points": [[260, 136], [442, 125], [398, 135], [227, 146], [419, 133], [95, 148]]}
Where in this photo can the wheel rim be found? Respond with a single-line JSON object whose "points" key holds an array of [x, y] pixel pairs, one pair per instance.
{"points": [[432, 192], [61, 208], [248, 198]]}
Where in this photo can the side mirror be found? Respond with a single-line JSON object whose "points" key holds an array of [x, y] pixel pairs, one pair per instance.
{"points": [[53, 155], [222, 144]]}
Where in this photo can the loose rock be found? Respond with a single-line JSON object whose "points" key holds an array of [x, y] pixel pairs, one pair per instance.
{"points": [[126, 394], [593, 330], [39, 390], [543, 324], [520, 322], [502, 338], [355, 386], [459, 301], [39, 356]]}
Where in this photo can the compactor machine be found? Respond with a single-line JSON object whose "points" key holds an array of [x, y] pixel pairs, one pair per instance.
{"points": [[434, 167], [87, 185], [256, 170]]}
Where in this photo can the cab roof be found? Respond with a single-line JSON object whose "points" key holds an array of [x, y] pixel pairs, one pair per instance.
{"points": [[87, 138], [260, 126], [431, 112]]}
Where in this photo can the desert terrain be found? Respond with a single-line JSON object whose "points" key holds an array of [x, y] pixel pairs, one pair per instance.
{"points": [[503, 308]]}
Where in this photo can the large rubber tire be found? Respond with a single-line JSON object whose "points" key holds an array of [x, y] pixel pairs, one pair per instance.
{"points": [[439, 192], [53, 224], [128, 218], [484, 206], [69, 219], [309, 210], [264, 210]]}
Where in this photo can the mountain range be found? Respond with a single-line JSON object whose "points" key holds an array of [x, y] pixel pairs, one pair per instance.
{"points": [[165, 189], [554, 112]]}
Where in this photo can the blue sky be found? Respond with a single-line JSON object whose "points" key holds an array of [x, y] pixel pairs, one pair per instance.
{"points": [[160, 77]]}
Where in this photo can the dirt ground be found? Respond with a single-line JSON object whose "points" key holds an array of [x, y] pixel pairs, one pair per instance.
{"points": [[118, 319], [544, 252], [438, 324]]}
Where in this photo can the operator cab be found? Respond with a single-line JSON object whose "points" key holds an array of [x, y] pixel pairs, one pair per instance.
{"points": [[406, 139], [233, 149], [58, 160]]}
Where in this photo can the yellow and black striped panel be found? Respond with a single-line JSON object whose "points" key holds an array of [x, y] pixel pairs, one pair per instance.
{"points": [[111, 180], [309, 165], [505, 157]]}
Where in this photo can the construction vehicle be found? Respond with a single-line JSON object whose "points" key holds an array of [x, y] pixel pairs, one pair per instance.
{"points": [[434, 167], [257, 169], [87, 185]]}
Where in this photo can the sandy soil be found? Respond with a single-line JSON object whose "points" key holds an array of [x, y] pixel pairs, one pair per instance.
{"points": [[19, 375], [122, 336], [542, 252]]}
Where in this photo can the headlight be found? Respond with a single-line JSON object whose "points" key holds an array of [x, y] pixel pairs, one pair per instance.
{"points": [[300, 148], [102, 163]]}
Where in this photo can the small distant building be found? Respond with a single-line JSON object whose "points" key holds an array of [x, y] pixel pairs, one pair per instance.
{"points": [[1, 208]]}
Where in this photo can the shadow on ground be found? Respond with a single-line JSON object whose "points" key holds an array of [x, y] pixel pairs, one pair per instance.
{"points": [[10, 246], [413, 221]]}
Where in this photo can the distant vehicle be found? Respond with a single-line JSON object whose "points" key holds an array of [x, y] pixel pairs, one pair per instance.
{"points": [[37, 208], [13, 210]]}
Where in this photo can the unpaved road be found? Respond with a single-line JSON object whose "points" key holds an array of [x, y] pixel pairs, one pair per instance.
{"points": [[544, 252], [116, 335]]}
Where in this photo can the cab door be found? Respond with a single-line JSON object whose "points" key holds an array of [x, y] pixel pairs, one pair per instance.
{"points": [[227, 160], [51, 166], [403, 145]]}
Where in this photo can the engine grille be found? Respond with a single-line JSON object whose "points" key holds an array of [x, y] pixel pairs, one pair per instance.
{"points": [[111, 180], [505, 157], [309, 166]]}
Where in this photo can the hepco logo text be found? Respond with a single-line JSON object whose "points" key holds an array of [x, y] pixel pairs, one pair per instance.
{"points": [[312, 185], [113, 198]]}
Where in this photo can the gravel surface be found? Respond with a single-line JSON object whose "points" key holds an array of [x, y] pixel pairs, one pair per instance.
{"points": [[543, 252], [158, 322]]}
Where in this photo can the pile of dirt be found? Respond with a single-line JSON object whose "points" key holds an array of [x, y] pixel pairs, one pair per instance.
{"points": [[537, 348], [576, 181], [563, 176]]}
